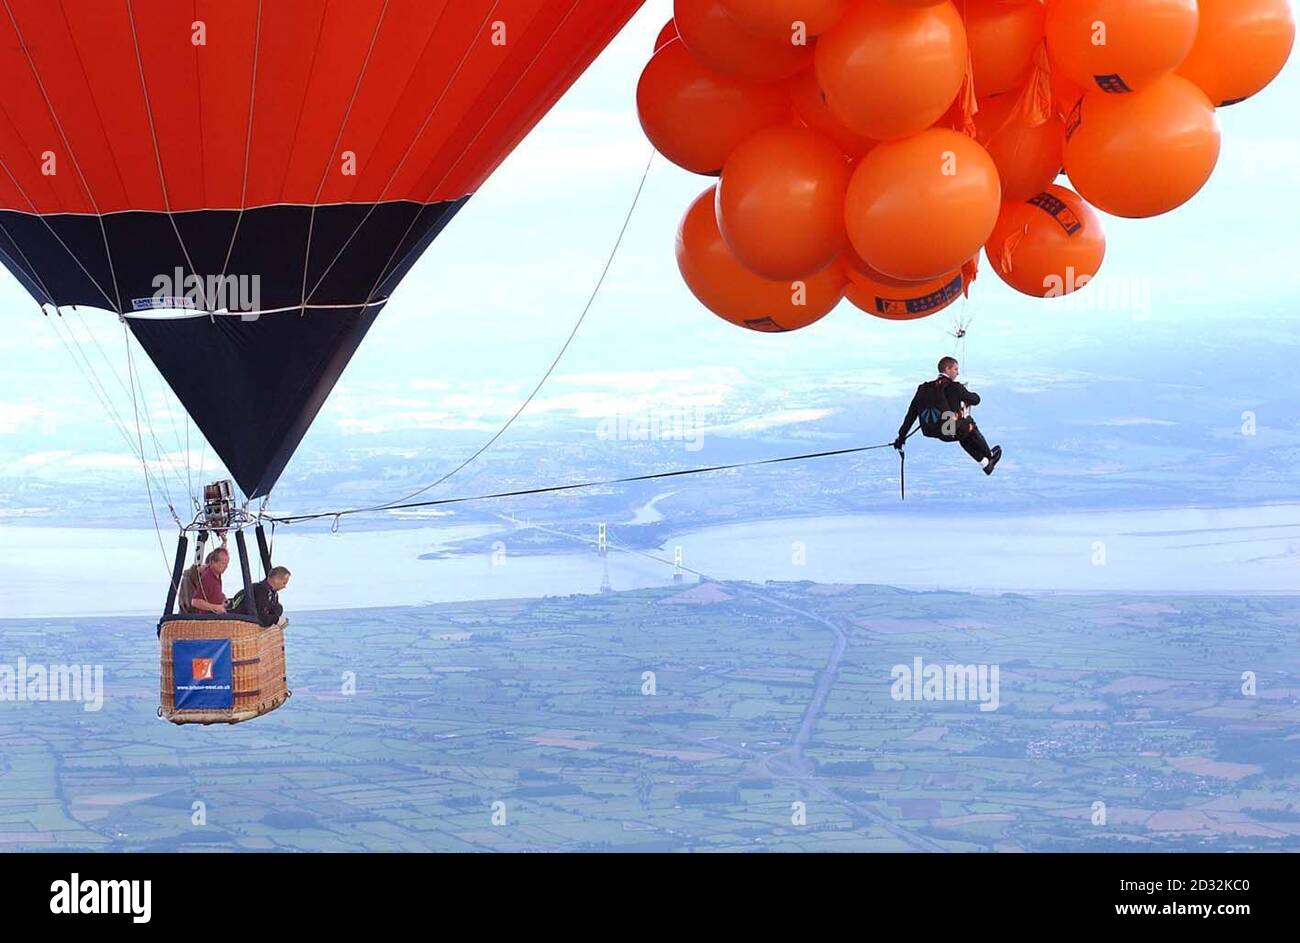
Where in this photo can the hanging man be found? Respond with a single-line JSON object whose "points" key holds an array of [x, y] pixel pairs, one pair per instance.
{"points": [[943, 407]]}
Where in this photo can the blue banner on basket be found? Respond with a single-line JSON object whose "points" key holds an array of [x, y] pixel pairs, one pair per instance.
{"points": [[203, 672]]}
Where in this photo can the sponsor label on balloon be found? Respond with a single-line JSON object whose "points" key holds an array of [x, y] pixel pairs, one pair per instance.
{"points": [[936, 299], [159, 302], [1112, 84], [1059, 211]]}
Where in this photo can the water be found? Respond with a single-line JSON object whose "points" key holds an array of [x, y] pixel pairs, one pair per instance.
{"points": [[1238, 550], [78, 571], [649, 512]]}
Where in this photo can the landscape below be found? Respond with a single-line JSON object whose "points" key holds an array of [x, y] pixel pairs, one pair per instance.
{"points": [[704, 717]]}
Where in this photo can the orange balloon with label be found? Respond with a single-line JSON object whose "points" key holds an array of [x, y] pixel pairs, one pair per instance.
{"points": [[1119, 46], [1143, 154], [1049, 245]]}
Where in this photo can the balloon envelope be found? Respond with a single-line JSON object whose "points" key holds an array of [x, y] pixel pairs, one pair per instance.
{"points": [[1050, 245], [696, 117], [781, 202], [1003, 38], [890, 71], [310, 149], [1119, 46], [1240, 48], [1143, 154], [918, 208]]}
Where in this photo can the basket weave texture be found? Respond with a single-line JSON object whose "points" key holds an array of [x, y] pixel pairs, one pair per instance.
{"points": [[260, 685]]}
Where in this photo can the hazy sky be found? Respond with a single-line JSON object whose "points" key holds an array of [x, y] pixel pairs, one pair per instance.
{"points": [[481, 316]]}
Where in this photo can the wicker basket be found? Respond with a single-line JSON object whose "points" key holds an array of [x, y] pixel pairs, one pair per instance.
{"points": [[257, 659]]}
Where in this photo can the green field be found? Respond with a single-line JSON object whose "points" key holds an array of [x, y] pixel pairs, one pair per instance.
{"points": [[1121, 724]]}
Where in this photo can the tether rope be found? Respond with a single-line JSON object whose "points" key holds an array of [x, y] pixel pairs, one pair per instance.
{"points": [[556, 489]]}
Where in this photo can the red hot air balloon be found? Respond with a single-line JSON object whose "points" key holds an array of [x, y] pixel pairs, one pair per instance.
{"points": [[311, 148]]}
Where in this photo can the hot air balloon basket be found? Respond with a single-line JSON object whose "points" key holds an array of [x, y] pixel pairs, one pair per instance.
{"points": [[220, 670]]}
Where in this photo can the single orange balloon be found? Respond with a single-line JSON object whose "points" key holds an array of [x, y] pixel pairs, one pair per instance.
{"points": [[734, 293], [810, 108], [1143, 154], [1119, 46], [1028, 156], [890, 71], [781, 202], [781, 19], [695, 117], [719, 43], [1240, 48], [666, 35], [894, 300], [1003, 38], [1048, 246], [920, 207]]}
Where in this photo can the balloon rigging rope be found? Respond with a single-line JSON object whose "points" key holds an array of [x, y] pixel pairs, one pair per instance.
{"points": [[81, 360], [189, 471], [87, 371], [70, 343], [140, 402], [555, 363], [164, 462], [126, 336]]}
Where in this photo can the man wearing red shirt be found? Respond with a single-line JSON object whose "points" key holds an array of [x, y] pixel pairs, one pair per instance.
{"points": [[208, 597]]}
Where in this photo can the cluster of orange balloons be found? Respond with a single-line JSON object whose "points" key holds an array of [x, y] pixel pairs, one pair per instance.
{"points": [[872, 149]]}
